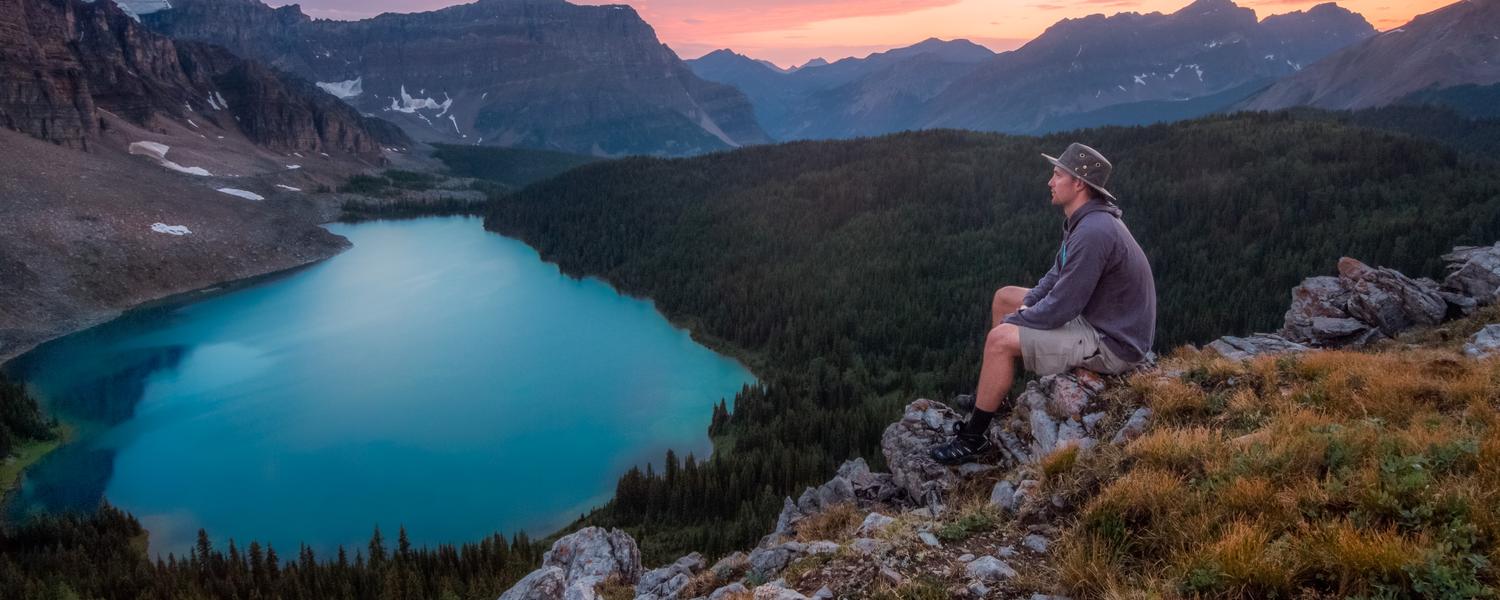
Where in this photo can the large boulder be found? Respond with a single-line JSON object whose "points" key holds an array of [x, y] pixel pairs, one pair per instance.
{"points": [[1475, 273], [579, 561], [906, 442], [595, 553], [1388, 300]]}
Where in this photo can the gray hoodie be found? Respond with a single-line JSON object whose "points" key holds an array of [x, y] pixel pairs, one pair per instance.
{"points": [[1102, 274]]}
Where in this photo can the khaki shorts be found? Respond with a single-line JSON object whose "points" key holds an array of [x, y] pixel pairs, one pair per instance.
{"points": [[1075, 344]]}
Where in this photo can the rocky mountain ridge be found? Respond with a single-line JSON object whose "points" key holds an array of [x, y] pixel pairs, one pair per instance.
{"points": [[1205, 49], [1456, 45], [892, 532], [533, 73], [66, 61]]}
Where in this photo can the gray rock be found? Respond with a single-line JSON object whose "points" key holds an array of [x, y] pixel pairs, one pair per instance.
{"points": [[1003, 495], [1475, 273], [874, 523], [593, 552], [865, 545], [966, 557], [1244, 348], [546, 583], [582, 589], [978, 589], [972, 469], [924, 424], [1134, 426], [775, 592], [733, 588], [1026, 492], [928, 538], [1036, 543], [822, 547], [728, 566], [1388, 300], [1484, 343], [1091, 420], [664, 583], [787, 520], [989, 569], [1316, 297], [766, 562], [823, 593], [1006, 551], [891, 576]]}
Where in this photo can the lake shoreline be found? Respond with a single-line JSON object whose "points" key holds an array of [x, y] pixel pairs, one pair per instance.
{"points": [[686, 332]]}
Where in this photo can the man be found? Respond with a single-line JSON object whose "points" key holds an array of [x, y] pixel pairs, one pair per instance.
{"points": [[1096, 307]]}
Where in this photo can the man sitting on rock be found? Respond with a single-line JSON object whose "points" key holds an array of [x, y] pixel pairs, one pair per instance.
{"points": [[1096, 307]]}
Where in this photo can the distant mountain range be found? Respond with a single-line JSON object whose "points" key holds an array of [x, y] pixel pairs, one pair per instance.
{"points": [[1453, 46], [880, 93], [534, 73], [1124, 69]]}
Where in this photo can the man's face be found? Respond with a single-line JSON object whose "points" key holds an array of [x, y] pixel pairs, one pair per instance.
{"points": [[1065, 187]]}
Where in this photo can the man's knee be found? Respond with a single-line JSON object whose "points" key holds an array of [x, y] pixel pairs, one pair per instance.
{"points": [[1003, 339], [1008, 299]]}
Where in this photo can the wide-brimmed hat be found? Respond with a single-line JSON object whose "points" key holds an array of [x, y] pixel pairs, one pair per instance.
{"points": [[1087, 164]]}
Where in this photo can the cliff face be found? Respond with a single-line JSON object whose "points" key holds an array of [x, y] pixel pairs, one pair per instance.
{"points": [[62, 61], [538, 73]]}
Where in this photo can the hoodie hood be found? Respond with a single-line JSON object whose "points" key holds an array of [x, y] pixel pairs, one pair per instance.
{"points": [[1092, 207]]}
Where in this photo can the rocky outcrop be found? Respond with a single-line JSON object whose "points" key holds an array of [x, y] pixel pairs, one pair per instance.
{"points": [[665, 583], [536, 73], [1475, 275], [1365, 304], [61, 62], [577, 563]]}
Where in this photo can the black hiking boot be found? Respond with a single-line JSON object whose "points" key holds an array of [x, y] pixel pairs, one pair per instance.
{"points": [[961, 449]]}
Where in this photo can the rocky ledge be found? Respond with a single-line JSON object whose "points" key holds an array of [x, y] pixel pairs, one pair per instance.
{"points": [[904, 521]]}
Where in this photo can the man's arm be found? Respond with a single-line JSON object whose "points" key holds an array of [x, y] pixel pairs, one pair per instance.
{"points": [[1088, 251], [1042, 287]]}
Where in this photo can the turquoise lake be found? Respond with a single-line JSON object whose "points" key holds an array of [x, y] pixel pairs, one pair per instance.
{"points": [[435, 376]]}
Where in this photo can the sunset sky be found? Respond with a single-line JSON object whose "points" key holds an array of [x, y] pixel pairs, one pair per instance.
{"points": [[789, 32]]}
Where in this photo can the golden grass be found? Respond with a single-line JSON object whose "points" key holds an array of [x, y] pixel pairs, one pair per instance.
{"points": [[1323, 474], [835, 523]]}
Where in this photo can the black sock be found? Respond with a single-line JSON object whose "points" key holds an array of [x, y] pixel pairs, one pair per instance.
{"points": [[979, 421]]}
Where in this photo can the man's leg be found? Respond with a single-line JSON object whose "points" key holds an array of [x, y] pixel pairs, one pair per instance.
{"points": [[1001, 349], [1007, 300]]}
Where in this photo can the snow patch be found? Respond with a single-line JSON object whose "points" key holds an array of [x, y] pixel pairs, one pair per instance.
{"points": [[190, 122], [241, 194], [288, 188], [293, 167], [455, 124], [1294, 66], [344, 90], [410, 105], [159, 151], [170, 229], [213, 103]]}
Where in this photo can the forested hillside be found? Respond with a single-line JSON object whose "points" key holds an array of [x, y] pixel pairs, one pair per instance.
{"points": [[856, 275]]}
